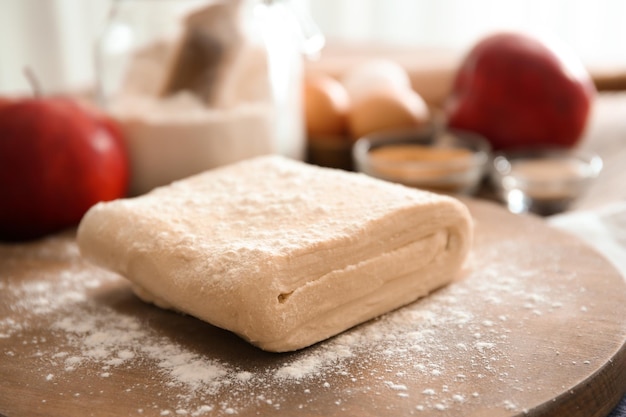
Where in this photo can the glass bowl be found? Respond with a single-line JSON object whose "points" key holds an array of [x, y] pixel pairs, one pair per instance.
{"points": [[440, 160], [543, 181]]}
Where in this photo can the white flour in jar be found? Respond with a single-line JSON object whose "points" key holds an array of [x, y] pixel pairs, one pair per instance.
{"points": [[172, 138]]}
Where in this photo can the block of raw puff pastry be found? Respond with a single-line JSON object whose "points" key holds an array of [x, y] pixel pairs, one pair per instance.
{"points": [[282, 253]]}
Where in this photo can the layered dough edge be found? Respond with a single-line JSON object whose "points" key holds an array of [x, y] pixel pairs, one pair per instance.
{"points": [[287, 299]]}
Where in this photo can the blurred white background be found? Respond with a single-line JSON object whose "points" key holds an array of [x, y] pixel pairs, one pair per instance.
{"points": [[594, 28], [56, 37], [53, 37]]}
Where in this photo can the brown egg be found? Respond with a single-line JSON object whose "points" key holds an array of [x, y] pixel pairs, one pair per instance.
{"points": [[326, 106], [384, 109]]}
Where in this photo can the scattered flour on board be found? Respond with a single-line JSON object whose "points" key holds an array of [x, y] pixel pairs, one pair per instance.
{"points": [[413, 342]]}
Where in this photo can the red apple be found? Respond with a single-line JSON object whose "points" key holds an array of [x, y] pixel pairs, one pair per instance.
{"points": [[5, 102], [519, 92], [57, 159]]}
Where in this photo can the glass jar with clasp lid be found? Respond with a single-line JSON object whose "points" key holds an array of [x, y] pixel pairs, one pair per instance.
{"points": [[198, 84]]}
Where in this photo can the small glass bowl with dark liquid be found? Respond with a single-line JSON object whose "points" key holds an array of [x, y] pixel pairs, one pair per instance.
{"points": [[543, 181]]}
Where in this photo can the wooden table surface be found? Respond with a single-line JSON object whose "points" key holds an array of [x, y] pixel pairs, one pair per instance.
{"points": [[533, 326]]}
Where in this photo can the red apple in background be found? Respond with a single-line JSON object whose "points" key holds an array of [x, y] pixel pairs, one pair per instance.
{"points": [[520, 92], [57, 159]]}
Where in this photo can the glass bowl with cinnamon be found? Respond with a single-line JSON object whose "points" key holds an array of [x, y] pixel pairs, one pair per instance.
{"points": [[432, 158]]}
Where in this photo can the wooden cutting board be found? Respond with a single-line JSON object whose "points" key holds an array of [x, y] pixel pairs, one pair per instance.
{"points": [[535, 325]]}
